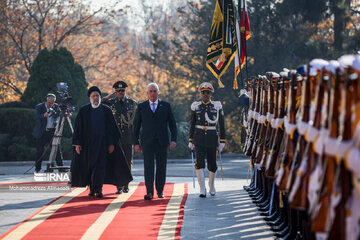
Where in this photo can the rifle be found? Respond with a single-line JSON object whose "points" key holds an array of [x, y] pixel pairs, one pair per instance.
{"points": [[259, 120], [286, 161], [302, 113], [253, 125], [270, 115], [298, 194], [249, 120], [321, 216], [263, 124], [278, 137], [343, 182]]}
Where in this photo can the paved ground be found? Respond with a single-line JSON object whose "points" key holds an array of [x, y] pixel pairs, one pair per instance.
{"points": [[228, 215]]}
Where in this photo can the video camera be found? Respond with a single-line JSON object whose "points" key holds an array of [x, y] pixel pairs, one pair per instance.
{"points": [[64, 97]]}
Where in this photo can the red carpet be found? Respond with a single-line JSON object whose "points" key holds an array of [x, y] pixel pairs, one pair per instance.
{"points": [[126, 216]]}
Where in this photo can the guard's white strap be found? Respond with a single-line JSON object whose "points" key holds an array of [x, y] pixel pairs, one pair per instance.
{"points": [[262, 119], [256, 116], [269, 117], [250, 114], [312, 133], [312, 111], [330, 146], [342, 147], [245, 123], [320, 143], [302, 127], [276, 122], [289, 127], [352, 160]]}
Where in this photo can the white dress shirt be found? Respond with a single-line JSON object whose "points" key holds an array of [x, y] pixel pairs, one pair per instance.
{"points": [[156, 104]]}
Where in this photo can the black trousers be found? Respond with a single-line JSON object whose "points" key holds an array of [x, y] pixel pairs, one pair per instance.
{"points": [[205, 152], [151, 152], [41, 143], [128, 152], [97, 161]]}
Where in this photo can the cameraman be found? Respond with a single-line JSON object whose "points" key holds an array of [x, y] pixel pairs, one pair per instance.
{"points": [[44, 129]]}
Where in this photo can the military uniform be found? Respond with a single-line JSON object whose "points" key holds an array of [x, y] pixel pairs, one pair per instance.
{"points": [[124, 112], [207, 129]]}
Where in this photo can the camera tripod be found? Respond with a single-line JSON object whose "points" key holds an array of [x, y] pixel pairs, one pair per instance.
{"points": [[56, 142]]}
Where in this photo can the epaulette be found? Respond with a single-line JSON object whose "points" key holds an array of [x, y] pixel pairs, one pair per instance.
{"points": [[217, 105], [195, 105]]}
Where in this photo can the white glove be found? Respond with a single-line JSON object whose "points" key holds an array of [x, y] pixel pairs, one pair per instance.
{"points": [[191, 146], [221, 146]]}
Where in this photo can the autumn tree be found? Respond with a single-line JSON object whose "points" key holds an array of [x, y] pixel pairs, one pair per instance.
{"points": [[50, 68]]}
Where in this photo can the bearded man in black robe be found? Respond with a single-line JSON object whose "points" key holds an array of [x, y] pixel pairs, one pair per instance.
{"points": [[98, 156]]}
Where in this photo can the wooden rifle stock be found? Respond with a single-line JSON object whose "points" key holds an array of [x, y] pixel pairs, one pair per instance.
{"points": [[254, 121], [270, 132], [250, 119], [300, 197], [321, 220], [263, 126], [343, 183], [307, 159], [288, 158], [275, 146], [258, 124]]}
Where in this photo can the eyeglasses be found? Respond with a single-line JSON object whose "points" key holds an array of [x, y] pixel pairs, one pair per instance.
{"points": [[121, 90], [205, 92]]}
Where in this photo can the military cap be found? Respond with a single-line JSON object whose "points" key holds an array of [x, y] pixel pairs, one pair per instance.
{"points": [[206, 86], [120, 85], [93, 89]]}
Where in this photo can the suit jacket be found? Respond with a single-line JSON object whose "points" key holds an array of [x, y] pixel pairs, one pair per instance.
{"points": [[41, 121], [154, 125]]}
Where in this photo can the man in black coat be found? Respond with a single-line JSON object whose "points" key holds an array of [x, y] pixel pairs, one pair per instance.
{"points": [[44, 129], [123, 108], [99, 158], [154, 116]]}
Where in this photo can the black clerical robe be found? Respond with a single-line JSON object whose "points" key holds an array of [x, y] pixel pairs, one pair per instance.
{"points": [[117, 170]]}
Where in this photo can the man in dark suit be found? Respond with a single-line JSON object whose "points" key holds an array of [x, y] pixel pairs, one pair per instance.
{"points": [[154, 116], [44, 129]]}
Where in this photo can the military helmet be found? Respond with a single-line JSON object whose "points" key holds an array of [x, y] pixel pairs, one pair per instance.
{"points": [[206, 86]]}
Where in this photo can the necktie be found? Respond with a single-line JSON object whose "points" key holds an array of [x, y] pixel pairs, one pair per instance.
{"points": [[153, 107]]}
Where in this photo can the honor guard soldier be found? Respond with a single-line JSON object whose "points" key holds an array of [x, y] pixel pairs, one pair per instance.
{"points": [[207, 135], [124, 109]]}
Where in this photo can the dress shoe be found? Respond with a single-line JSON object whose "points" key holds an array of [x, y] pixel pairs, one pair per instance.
{"points": [[247, 188], [99, 195], [272, 217], [261, 200], [148, 196], [91, 193], [279, 228], [118, 191], [202, 195], [277, 222], [283, 233], [126, 190], [160, 195]]}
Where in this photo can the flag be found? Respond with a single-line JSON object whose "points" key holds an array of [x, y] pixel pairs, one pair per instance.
{"points": [[243, 33], [222, 42]]}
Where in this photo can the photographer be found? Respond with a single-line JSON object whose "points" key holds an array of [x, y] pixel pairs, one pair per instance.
{"points": [[45, 128]]}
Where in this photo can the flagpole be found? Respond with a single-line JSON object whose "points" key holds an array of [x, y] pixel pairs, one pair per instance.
{"points": [[246, 69], [239, 40]]}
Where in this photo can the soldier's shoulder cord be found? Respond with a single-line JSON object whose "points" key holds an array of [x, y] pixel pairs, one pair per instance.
{"points": [[195, 105], [217, 105]]}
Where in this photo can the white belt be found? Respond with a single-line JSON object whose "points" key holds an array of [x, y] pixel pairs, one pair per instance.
{"points": [[206, 127]]}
